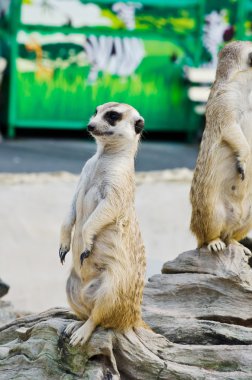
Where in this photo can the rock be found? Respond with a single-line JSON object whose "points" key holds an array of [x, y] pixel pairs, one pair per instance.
{"points": [[37, 347], [4, 288], [202, 298], [7, 313], [6, 309], [201, 305]]}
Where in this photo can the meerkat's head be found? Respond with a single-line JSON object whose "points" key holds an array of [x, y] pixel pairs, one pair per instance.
{"points": [[115, 121], [233, 58]]}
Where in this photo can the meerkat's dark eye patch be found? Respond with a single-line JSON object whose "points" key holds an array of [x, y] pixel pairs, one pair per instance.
{"points": [[250, 59], [95, 112], [112, 117]]}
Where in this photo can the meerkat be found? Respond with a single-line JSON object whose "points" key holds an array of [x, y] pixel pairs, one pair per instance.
{"points": [[106, 282], [221, 191]]}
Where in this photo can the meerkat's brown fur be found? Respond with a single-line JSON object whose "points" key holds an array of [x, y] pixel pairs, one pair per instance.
{"points": [[106, 283], [221, 191]]}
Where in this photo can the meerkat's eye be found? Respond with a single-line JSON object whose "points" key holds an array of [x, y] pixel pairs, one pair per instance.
{"points": [[95, 112], [112, 117]]}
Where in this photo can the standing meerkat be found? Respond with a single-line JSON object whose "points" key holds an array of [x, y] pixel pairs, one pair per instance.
{"points": [[106, 282], [221, 191]]}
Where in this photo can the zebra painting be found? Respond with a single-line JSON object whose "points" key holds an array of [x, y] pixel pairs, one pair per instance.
{"points": [[126, 13], [216, 31], [113, 55]]}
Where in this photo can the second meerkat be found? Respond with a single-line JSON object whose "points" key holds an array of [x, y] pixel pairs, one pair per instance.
{"points": [[221, 191], [106, 282]]}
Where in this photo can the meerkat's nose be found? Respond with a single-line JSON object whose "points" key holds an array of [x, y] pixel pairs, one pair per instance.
{"points": [[91, 127]]}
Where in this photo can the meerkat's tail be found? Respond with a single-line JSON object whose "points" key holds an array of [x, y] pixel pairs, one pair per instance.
{"points": [[143, 324], [198, 232]]}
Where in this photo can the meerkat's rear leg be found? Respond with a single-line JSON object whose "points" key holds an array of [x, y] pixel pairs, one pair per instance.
{"points": [[239, 235], [214, 240], [74, 291], [245, 249], [102, 306], [216, 245], [71, 327], [209, 233], [83, 333]]}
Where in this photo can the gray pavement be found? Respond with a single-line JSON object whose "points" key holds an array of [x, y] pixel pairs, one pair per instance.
{"points": [[26, 155]]}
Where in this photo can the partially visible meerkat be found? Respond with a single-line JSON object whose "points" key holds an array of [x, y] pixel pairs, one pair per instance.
{"points": [[221, 191], [107, 278]]}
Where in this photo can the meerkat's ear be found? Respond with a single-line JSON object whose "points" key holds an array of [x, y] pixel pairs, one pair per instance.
{"points": [[250, 59], [139, 125]]}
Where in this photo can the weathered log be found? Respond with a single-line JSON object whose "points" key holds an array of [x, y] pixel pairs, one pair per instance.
{"points": [[6, 309], [7, 312], [202, 303], [202, 298], [36, 347]]}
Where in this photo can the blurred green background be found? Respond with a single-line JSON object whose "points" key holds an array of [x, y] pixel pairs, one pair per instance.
{"points": [[64, 57]]}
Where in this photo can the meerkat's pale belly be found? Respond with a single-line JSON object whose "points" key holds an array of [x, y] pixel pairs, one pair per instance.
{"points": [[87, 201], [235, 195], [106, 243]]}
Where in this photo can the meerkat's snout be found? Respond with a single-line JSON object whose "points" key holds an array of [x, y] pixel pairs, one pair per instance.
{"points": [[91, 127]]}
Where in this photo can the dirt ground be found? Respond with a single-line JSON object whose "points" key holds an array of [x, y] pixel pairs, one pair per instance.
{"points": [[32, 208]]}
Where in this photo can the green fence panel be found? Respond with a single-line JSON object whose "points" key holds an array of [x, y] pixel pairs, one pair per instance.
{"points": [[61, 66], [60, 71]]}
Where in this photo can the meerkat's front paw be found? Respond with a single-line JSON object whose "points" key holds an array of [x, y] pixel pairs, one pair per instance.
{"points": [[63, 252], [84, 255], [241, 168], [216, 245], [88, 244]]}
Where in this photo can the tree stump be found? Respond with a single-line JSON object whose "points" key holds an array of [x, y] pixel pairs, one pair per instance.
{"points": [[201, 304]]}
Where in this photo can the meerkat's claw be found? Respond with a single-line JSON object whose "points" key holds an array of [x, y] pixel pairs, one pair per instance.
{"points": [[62, 253], [76, 339], [246, 250], [216, 245], [83, 333], [71, 327], [84, 256], [241, 169]]}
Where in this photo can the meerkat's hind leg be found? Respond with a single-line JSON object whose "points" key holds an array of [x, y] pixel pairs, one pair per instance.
{"points": [[71, 327], [216, 245], [245, 249], [82, 335]]}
